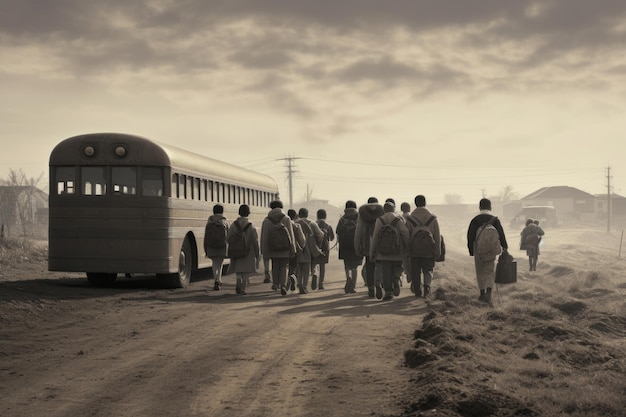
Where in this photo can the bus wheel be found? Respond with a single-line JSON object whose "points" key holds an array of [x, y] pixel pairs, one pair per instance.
{"points": [[182, 278], [101, 279]]}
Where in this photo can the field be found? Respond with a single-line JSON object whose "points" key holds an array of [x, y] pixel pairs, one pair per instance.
{"points": [[554, 343]]}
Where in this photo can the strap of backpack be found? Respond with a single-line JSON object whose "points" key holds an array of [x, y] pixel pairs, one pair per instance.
{"points": [[303, 223], [429, 221], [411, 219], [395, 221], [490, 221]]}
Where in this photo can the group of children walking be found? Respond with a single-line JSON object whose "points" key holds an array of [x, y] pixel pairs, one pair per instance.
{"points": [[387, 243], [295, 249]]}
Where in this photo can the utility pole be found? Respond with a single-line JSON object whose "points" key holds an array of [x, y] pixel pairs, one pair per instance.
{"points": [[609, 210], [290, 172]]}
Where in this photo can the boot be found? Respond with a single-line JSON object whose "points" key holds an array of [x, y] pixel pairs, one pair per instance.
{"points": [[488, 297]]}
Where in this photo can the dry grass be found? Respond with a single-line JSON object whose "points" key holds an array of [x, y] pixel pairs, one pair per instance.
{"points": [[15, 252], [554, 344]]}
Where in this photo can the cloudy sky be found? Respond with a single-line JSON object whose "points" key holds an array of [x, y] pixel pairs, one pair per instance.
{"points": [[384, 98]]}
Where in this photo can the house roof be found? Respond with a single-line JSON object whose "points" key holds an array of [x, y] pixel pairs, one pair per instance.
{"points": [[561, 191], [613, 196]]}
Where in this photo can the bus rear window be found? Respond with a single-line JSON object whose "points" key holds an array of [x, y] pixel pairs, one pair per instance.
{"points": [[124, 180], [152, 181], [65, 178], [93, 180]]}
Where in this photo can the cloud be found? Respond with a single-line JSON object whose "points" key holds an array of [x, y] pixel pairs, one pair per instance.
{"points": [[422, 46], [317, 74]]}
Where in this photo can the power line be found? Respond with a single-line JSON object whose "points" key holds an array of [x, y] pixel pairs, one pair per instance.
{"points": [[445, 168], [290, 172]]}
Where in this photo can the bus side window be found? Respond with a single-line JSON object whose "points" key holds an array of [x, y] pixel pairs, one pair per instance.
{"points": [[189, 188], [174, 184], [182, 186], [211, 191], [219, 192]]}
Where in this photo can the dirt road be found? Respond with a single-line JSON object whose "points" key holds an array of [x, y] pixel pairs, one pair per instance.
{"points": [[553, 344], [67, 349]]}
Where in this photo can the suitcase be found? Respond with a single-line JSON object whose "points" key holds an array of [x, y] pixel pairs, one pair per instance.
{"points": [[506, 269]]}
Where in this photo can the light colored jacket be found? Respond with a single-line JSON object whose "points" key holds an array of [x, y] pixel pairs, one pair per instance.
{"points": [[299, 234], [305, 255]]}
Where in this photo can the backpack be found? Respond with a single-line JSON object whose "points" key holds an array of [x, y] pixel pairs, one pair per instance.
{"points": [[487, 242], [346, 235], [278, 236], [314, 250], [389, 238], [325, 246], [215, 235], [238, 246], [421, 241]]}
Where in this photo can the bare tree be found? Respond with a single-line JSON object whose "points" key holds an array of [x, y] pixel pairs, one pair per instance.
{"points": [[506, 194], [17, 200]]}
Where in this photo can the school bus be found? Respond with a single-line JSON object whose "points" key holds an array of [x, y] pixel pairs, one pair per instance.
{"points": [[125, 204]]}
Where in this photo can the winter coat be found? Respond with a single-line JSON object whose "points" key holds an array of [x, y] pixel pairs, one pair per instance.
{"points": [[304, 255], [249, 263], [403, 230], [530, 238], [348, 214], [299, 234], [422, 214], [216, 252], [330, 235], [368, 213], [276, 215], [478, 221]]}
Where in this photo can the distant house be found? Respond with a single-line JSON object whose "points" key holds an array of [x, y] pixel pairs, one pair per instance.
{"points": [[618, 204], [23, 210], [569, 202], [332, 213]]}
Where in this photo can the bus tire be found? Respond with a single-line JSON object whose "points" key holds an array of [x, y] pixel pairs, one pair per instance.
{"points": [[182, 278], [101, 279]]}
